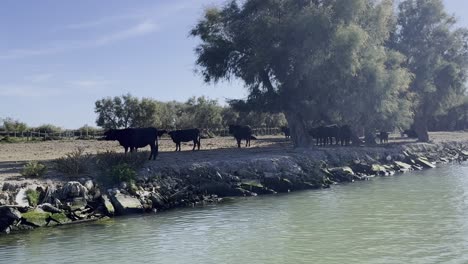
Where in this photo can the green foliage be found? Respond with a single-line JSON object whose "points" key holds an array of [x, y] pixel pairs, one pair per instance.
{"points": [[437, 55], [12, 125], [122, 173], [316, 61], [48, 128], [33, 197], [74, 163], [34, 169], [109, 159]]}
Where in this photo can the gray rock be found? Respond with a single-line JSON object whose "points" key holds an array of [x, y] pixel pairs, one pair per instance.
{"points": [[125, 204], [108, 205], [74, 189], [47, 207], [8, 216], [89, 185], [21, 199]]}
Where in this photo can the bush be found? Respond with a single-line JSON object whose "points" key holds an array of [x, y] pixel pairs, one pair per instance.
{"points": [[118, 167], [33, 197], [123, 173], [74, 163], [34, 169], [109, 159]]}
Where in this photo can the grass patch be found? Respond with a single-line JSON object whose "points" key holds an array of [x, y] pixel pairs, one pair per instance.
{"points": [[74, 163], [34, 169], [33, 197], [119, 167]]}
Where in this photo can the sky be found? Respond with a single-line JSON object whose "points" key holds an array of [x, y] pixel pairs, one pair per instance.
{"points": [[58, 57]]}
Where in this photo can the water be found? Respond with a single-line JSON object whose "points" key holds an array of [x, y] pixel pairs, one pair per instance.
{"points": [[419, 217]]}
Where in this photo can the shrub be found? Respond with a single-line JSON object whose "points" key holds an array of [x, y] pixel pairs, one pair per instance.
{"points": [[74, 163], [122, 173], [109, 159], [33, 196], [34, 169]]}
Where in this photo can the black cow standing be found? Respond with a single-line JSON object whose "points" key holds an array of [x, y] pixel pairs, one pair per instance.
{"points": [[134, 138], [383, 136], [345, 135], [240, 133], [186, 135], [286, 131]]}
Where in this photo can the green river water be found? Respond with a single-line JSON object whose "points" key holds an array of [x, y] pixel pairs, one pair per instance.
{"points": [[419, 217]]}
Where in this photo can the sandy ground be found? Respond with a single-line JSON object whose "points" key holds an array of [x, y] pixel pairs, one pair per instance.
{"points": [[14, 155]]}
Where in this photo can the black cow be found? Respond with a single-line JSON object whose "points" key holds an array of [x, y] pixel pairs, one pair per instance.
{"points": [[186, 135], [383, 136], [135, 138], [411, 133], [241, 132], [345, 135], [286, 131], [325, 134]]}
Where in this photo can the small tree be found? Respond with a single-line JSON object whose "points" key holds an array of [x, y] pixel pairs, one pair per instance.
{"points": [[11, 125]]}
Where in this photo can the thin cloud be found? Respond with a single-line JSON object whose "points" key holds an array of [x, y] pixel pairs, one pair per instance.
{"points": [[38, 78], [28, 91], [141, 29]]}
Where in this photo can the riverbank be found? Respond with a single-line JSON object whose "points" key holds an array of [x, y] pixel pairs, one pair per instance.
{"points": [[197, 178]]}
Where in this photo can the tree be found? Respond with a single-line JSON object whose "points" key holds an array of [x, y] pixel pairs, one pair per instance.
{"points": [[11, 125], [312, 60], [121, 112], [437, 55]]}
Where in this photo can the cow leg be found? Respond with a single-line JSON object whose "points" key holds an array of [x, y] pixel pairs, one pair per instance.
{"points": [[194, 144], [238, 143], [199, 143], [126, 150]]}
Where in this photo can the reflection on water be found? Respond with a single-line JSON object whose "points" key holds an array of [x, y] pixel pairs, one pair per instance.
{"points": [[420, 217]]}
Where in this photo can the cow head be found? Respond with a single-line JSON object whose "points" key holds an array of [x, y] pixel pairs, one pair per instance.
{"points": [[110, 134], [161, 132], [232, 128]]}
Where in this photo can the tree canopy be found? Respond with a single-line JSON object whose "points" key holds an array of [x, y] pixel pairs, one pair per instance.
{"points": [[437, 55], [321, 60]]}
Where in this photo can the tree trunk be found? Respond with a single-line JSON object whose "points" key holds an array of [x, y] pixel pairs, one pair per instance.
{"points": [[420, 127], [299, 133]]}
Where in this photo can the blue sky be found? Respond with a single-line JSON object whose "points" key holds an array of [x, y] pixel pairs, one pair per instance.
{"points": [[59, 57]]}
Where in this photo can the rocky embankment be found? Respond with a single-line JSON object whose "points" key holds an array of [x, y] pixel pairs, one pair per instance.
{"points": [[165, 186]]}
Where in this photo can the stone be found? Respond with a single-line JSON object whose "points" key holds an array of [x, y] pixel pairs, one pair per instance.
{"points": [[89, 185], [425, 163], [110, 210], [47, 207], [157, 199], [21, 199], [74, 189], [125, 204], [8, 216]]}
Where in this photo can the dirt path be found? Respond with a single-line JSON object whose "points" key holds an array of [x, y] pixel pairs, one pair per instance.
{"points": [[14, 156]]}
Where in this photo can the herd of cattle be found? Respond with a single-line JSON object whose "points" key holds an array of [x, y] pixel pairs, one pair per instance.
{"points": [[134, 138]]}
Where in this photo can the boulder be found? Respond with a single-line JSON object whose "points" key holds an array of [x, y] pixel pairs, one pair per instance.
{"points": [[73, 189], [256, 187], [21, 198], [108, 205], [424, 163], [277, 183], [125, 204], [403, 167], [8, 216], [158, 200]]}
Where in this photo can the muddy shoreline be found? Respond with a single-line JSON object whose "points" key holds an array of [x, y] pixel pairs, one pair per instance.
{"points": [[163, 186]]}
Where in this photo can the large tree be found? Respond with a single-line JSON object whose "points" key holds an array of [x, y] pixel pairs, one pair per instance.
{"points": [[436, 53], [311, 59]]}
